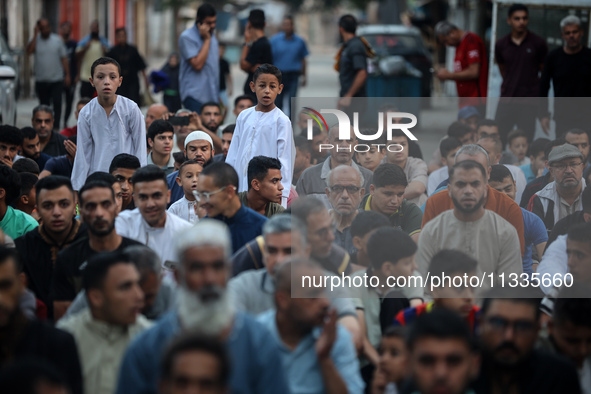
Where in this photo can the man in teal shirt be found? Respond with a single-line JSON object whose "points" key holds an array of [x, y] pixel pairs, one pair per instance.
{"points": [[13, 222]]}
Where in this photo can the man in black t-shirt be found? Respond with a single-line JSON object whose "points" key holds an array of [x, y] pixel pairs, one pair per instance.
{"points": [[39, 247], [98, 210], [256, 49], [569, 69], [131, 63], [352, 64]]}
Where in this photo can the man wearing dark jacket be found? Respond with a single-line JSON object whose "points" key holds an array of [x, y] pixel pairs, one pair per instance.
{"points": [[561, 197]]}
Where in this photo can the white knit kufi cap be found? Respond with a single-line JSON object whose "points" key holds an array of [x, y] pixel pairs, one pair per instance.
{"points": [[198, 135]]}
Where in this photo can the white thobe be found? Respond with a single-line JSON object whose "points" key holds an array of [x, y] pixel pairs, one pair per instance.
{"points": [[101, 138], [185, 209], [262, 134]]}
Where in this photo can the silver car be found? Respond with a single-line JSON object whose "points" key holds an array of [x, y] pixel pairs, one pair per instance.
{"points": [[7, 96]]}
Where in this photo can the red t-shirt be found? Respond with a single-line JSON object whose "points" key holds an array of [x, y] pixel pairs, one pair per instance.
{"points": [[471, 50], [70, 131]]}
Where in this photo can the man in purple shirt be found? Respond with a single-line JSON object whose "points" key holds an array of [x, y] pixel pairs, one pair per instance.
{"points": [[520, 57]]}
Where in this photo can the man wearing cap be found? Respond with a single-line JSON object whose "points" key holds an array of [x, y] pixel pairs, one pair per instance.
{"points": [[198, 147], [561, 197]]}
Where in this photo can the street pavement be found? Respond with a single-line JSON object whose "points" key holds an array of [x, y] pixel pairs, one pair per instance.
{"points": [[322, 82]]}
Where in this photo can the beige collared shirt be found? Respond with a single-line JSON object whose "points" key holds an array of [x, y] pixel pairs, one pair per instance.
{"points": [[101, 347]]}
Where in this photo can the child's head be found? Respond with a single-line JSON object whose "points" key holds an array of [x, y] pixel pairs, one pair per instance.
{"points": [[517, 141], [179, 158], [372, 158], [266, 84], [160, 136], [28, 196], [391, 253], [80, 104], [537, 155], [105, 76], [187, 178], [462, 132], [361, 229], [448, 148], [256, 19], [453, 294], [393, 355]]}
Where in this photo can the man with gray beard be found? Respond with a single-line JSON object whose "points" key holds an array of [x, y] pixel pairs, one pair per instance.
{"points": [[204, 306]]}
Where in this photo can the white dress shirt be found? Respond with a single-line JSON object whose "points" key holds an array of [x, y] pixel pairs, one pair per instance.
{"points": [[101, 138]]}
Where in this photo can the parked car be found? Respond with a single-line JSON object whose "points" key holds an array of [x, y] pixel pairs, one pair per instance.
{"points": [[7, 58], [393, 42], [7, 96]]}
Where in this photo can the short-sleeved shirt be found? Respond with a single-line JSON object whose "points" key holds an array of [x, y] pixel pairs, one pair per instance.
{"points": [[55, 147], [16, 223], [407, 218], [353, 59], [522, 64], [67, 273], [471, 50], [259, 53], [48, 58], [288, 53], [534, 233], [200, 85], [60, 165]]}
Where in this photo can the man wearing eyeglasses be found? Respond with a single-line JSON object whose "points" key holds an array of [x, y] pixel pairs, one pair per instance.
{"points": [[561, 197], [217, 194], [508, 332], [344, 190], [386, 196]]}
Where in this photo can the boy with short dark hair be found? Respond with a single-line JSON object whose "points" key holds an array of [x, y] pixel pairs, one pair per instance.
{"points": [[392, 367], [160, 139], [122, 167], [263, 130], [264, 186], [517, 142], [14, 223], [374, 156], [537, 157], [187, 179], [27, 198], [364, 224], [448, 147], [108, 125], [11, 139]]}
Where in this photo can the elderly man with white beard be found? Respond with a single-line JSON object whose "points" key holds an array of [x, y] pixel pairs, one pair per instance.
{"points": [[203, 306]]}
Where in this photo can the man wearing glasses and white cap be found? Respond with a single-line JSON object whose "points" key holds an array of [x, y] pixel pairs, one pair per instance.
{"points": [[561, 197], [198, 147]]}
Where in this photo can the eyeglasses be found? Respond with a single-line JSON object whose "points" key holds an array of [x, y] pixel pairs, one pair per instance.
{"points": [[351, 189], [204, 196], [519, 326], [562, 167]]}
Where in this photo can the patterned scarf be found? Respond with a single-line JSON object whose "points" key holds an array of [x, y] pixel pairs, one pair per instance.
{"points": [[369, 51]]}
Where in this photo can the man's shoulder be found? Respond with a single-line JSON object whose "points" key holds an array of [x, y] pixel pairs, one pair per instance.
{"points": [[247, 280], [189, 33], [30, 237], [128, 216], [254, 217], [125, 242], [74, 323], [408, 208], [312, 171], [503, 227], [503, 41], [177, 222]]}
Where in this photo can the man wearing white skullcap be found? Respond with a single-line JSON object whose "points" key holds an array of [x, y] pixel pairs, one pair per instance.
{"points": [[198, 147]]}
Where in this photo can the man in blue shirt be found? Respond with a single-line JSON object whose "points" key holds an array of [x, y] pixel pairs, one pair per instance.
{"points": [[217, 194], [289, 55], [204, 307], [200, 62], [318, 355]]}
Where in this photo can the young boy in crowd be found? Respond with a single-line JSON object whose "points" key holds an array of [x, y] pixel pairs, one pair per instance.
{"points": [[160, 140], [517, 142], [362, 227], [28, 197], [185, 207], [458, 299], [537, 166], [372, 158], [108, 125], [448, 147], [391, 369], [263, 130]]}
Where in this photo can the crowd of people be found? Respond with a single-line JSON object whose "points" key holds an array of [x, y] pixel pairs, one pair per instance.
{"points": [[168, 253]]}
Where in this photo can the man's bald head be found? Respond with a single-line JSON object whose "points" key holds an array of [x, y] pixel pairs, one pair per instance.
{"points": [[155, 111]]}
